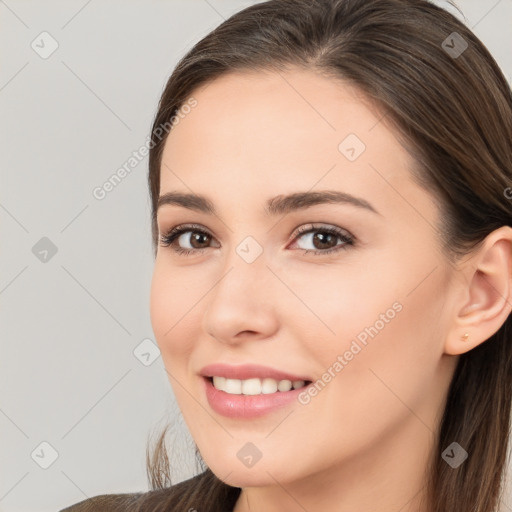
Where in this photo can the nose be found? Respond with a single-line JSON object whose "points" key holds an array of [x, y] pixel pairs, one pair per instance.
{"points": [[243, 303]]}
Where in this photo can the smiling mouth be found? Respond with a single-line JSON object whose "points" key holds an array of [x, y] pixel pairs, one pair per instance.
{"points": [[255, 386]]}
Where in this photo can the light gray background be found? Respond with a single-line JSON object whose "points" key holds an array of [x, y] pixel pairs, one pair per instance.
{"points": [[70, 325]]}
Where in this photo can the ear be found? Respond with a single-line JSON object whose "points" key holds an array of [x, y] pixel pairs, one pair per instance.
{"points": [[487, 295]]}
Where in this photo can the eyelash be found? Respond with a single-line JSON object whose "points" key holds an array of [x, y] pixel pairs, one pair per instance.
{"points": [[168, 238]]}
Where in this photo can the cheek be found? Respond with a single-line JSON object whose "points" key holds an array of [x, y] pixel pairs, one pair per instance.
{"points": [[383, 328], [172, 311], [338, 305], [171, 308]]}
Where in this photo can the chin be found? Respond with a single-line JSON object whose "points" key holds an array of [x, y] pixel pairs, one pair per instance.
{"points": [[250, 477], [259, 475]]}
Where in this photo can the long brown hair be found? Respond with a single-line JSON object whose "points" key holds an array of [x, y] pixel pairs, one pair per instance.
{"points": [[445, 96]]}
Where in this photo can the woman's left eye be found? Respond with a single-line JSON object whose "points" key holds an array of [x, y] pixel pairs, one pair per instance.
{"points": [[322, 238]]}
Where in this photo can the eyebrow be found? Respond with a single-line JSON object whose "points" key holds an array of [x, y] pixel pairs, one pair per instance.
{"points": [[278, 205]]}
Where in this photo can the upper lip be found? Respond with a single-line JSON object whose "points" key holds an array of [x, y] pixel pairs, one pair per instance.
{"points": [[248, 371]]}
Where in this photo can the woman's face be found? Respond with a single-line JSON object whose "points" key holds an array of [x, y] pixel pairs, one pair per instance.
{"points": [[364, 318]]}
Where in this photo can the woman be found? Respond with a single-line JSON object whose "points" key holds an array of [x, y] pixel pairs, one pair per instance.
{"points": [[331, 192]]}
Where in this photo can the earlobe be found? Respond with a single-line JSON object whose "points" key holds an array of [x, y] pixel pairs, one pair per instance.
{"points": [[488, 293]]}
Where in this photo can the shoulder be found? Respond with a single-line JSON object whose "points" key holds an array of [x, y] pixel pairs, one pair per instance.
{"points": [[149, 500], [105, 503]]}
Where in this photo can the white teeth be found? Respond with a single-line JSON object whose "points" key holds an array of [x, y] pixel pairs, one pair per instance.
{"points": [[251, 387], [233, 386], [219, 383], [254, 386], [268, 386], [284, 385]]}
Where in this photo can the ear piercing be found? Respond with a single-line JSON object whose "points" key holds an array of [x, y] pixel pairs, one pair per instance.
{"points": [[465, 336]]}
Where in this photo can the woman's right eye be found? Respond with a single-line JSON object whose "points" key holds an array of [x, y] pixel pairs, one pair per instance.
{"points": [[182, 234]]}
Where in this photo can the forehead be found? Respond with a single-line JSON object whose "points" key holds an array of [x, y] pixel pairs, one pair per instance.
{"points": [[258, 134], [279, 109]]}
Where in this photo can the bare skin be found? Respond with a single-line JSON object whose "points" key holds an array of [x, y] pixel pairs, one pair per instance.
{"points": [[363, 442]]}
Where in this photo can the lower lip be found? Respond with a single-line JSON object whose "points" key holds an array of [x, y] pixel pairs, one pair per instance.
{"points": [[248, 406]]}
